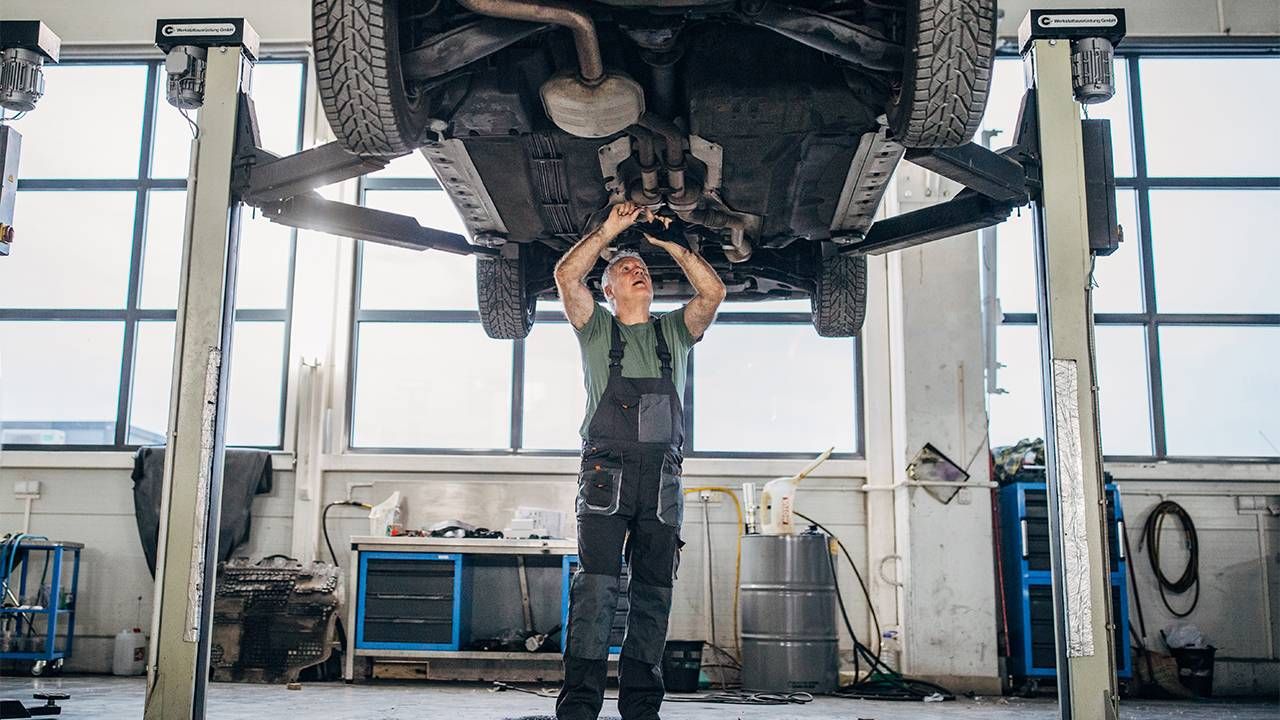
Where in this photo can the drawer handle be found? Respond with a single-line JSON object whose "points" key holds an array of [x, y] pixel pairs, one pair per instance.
{"points": [[1026, 540]]}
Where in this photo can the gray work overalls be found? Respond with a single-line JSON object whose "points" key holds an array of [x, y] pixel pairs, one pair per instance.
{"points": [[629, 489]]}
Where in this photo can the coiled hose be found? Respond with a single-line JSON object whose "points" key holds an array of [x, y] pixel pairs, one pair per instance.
{"points": [[1190, 577]]}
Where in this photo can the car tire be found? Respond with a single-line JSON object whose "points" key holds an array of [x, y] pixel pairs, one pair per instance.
{"points": [[506, 305], [839, 301], [950, 48], [357, 51]]}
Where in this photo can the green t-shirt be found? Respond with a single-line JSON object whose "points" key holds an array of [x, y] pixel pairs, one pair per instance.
{"points": [[639, 358]]}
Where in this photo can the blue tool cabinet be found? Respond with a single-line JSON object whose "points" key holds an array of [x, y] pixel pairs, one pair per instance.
{"points": [[48, 602], [1024, 525], [411, 601]]}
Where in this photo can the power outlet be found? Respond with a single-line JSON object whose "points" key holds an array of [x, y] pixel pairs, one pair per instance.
{"points": [[24, 489]]}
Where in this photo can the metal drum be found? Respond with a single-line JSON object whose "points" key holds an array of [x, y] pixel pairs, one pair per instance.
{"points": [[788, 613]]}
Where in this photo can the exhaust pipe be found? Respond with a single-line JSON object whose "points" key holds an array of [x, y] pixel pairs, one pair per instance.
{"points": [[554, 12]]}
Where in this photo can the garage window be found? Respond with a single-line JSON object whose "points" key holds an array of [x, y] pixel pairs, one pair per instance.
{"points": [[1188, 319], [88, 297], [427, 379]]}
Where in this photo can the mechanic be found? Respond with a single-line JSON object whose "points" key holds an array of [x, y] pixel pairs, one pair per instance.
{"points": [[629, 489]]}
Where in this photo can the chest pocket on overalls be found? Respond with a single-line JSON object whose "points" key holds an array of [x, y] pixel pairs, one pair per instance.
{"points": [[655, 418], [599, 490]]}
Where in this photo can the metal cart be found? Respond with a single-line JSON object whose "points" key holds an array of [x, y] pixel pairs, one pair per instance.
{"points": [[31, 619]]}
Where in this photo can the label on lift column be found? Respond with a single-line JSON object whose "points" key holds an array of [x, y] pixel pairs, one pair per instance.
{"points": [[206, 32], [198, 29], [1071, 24]]}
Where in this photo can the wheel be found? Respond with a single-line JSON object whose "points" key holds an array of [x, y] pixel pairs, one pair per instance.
{"points": [[357, 49], [38, 668], [506, 305], [839, 301], [947, 76]]}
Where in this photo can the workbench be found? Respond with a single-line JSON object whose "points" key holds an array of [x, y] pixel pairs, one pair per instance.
{"points": [[418, 606]]}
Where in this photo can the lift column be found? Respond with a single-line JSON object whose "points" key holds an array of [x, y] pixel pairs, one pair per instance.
{"points": [[208, 63], [1067, 56]]}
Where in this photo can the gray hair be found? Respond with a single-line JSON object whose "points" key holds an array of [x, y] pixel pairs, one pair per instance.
{"points": [[617, 258]]}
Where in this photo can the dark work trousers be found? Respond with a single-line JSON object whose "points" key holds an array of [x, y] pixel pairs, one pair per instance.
{"points": [[629, 503]]}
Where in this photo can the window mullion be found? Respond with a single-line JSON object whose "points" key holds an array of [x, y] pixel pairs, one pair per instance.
{"points": [[141, 199]]}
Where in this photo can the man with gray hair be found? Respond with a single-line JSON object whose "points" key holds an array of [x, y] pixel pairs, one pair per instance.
{"points": [[630, 498]]}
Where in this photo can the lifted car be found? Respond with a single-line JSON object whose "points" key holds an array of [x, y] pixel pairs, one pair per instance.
{"points": [[769, 130]]}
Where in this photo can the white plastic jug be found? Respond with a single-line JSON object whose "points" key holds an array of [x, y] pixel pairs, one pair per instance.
{"points": [[779, 497], [130, 655]]}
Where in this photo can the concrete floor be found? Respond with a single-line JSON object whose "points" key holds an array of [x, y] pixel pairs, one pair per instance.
{"points": [[120, 698]]}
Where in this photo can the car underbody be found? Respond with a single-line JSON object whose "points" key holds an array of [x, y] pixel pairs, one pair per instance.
{"points": [[770, 131]]}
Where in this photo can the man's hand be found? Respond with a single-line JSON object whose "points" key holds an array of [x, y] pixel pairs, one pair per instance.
{"points": [[574, 266], [623, 216], [701, 310], [673, 249]]}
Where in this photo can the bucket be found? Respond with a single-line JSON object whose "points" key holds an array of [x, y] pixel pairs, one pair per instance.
{"points": [[1195, 668], [681, 663]]}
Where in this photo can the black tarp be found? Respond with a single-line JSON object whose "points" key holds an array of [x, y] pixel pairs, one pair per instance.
{"points": [[246, 473]]}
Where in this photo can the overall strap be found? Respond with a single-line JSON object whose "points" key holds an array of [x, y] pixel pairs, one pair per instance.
{"points": [[615, 348], [664, 353]]}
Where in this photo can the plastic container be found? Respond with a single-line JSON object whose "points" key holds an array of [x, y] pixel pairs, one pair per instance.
{"points": [[681, 663], [1195, 668], [130, 654]]}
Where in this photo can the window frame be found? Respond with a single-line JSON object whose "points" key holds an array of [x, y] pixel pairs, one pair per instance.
{"points": [[132, 314], [688, 393], [1132, 52]]}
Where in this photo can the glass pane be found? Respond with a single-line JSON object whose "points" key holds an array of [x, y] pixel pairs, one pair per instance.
{"points": [[420, 385], [1117, 111], [71, 250], [277, 99], [256, 392], [1229, 95], [1016, 263], [262, 281], [1123, 396], [162, 250], [774, 388], [1221, 390], [413, 165], [554, 397], [1005, 99], [171, 144], [59, 382], [87, 125], [152, 378], [399, 279], [1016, 413], [1119, 275], [1216, 250]]}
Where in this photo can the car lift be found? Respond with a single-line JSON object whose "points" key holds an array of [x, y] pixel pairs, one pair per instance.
{"points": [[1066, 178]]}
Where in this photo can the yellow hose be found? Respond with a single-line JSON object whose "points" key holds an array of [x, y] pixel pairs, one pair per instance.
{"points": [[737, 569]]}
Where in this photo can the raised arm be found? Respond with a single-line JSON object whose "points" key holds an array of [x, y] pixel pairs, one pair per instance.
{"points": [[572, 270], [701, 310]]}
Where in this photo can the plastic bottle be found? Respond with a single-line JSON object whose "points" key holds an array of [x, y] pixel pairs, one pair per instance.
{"points": [[130, 655]]}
